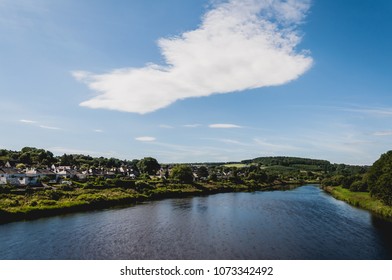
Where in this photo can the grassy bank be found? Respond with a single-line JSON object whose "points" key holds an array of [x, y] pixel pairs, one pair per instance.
{"points": [[360, 199]]}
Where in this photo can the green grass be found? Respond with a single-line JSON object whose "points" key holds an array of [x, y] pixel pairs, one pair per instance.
{"points": [[362, 200]]}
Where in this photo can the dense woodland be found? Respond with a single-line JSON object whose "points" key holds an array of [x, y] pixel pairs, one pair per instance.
{"points": [[151, 179]]}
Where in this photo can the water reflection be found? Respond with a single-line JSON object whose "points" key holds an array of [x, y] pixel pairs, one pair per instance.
{"points": [[303, 223], [384, 231]]}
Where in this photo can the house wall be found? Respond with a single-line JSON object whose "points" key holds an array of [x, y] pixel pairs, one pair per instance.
{"points": [[17, 180], [3, 180]]}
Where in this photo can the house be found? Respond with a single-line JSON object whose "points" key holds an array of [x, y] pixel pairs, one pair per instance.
{"points": [[109, 175], [33, 175], [63, 174], [13, 176]]}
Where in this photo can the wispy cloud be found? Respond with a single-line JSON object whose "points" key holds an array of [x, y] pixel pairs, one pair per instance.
{"points": [[239, 45], [145, 139], [37, 124], [49, 127], [376, 111], [166, 126], [27, 121], [98, 130], [383, 133], [192, 125], [224, 125], [228, 141]]}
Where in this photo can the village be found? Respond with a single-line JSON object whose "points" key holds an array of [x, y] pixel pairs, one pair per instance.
{"points": [[20, 177], [34, 169], [57, 174]]}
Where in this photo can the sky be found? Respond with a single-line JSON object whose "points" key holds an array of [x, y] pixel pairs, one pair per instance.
{"points": [[198, 80]]}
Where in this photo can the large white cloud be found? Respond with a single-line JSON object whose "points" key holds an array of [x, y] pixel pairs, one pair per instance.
{"points": [[240, 44]]}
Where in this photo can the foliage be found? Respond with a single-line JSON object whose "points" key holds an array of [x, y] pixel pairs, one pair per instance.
{"points": [[141, 186], [148, 165], [292, 161], [202, 172], [359, 186], [39, 157], [258, 176], [379, 178], [183, 173]]}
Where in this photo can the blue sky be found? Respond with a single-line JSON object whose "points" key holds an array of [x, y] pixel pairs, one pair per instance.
{"points": [[198, 80]]}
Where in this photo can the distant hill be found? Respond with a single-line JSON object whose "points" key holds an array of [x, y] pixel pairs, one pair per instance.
{"points": [[294, 162]]}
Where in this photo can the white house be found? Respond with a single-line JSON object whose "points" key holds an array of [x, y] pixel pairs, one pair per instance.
{"points": [[13, 176], [33, 175]]}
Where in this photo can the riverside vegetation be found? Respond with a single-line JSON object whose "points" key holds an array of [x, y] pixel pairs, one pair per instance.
{"points": [[107, 187], [371, 190]]}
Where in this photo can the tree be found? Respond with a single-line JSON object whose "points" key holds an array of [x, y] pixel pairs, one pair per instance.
{"points": [[148, 165], [259, 176], [379, 178], [66, 160], [202, 172], [359, 186], [183, 173], [25, 158], [213, 177]]}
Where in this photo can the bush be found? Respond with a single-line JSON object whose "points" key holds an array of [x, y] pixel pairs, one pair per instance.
{"points": [[333, 181], [359, 186], [141, 185]]}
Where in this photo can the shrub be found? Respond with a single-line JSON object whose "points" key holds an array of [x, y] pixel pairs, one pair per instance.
{"points": [[359, 186], [141, 185]]}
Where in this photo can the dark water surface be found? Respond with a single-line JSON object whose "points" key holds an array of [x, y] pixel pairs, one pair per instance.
{"points": [[304, 223]]}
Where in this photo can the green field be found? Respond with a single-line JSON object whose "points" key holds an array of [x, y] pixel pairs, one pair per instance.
{"points": [[237, 165]]}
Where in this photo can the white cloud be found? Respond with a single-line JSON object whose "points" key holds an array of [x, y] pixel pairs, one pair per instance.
{"points": [[49, 127], [39, 125], [239, 45], [145, 139], [98, 130], [224, 125], [27, 121]]}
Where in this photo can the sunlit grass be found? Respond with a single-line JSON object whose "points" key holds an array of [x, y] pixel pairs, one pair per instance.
{"points": [[362, 200]]}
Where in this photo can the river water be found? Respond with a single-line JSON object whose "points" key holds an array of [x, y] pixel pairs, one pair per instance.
{"points": [[304, 223]]}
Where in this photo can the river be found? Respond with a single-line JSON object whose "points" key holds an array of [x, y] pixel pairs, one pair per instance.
{"points": [[303, 223]]}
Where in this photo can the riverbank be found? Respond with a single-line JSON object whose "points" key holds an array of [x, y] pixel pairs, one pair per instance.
{"points": [[361, 200], [51, 202]]}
